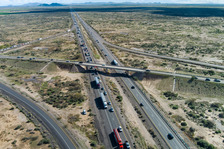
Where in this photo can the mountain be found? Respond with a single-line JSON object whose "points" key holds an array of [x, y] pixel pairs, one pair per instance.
{"points": [[51, 5], [31, 4]]}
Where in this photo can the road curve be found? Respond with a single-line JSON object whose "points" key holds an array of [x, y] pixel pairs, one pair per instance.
{"points": [[62, 139]]}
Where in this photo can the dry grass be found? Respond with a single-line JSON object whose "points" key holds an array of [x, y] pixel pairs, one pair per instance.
{"points": [[192, 37], [22, 27], [16, 131]]}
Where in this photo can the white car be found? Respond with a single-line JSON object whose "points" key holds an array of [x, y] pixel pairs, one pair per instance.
{"points": [[119, 129], [84, 112]]}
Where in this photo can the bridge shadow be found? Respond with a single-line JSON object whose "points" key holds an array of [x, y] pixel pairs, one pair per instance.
{"points": [[113, 74]]}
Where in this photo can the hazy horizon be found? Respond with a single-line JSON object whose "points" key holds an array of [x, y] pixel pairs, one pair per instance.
{"points": [[21, 2]]}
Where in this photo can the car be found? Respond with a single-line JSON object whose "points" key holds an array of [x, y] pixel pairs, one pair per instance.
{"points": [[105, 93], [21, 57], [147, 70], [103, 64], [84, 112], [30, 58], [111, 109], [132, 87], [217, 80], [141, 104], [119, 129], [67, 61], [207, 79], [18, 56], [52, 59], [127, 145], [105, 54], [102, 88], [170, 136], [109, 103]]}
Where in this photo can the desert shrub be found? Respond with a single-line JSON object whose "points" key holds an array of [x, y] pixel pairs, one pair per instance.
{"points": [[18, 127], [215, 105], [43, 141], [178, 118], [183, 124], [120, 98], [221, 115], [170, 95], [204, 144], [73, 118], [207, 123]]}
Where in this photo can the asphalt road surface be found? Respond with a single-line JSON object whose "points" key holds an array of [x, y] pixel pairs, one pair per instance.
{"points": [[62, 139], [159, 121], [109, 119]]}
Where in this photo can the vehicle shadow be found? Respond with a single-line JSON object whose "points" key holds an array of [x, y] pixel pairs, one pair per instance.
{"points": [[99, 103], [113, 141], [93, 85]]}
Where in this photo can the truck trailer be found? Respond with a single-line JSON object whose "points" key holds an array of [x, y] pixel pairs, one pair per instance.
{"points": [[97, 82], [118, 139], [103, 99]]}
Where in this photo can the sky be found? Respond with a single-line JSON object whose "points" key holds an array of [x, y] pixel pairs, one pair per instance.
{"points": [[20, 2]]}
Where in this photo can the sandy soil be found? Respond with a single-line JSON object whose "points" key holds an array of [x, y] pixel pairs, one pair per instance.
{"points": [[63, 113], [10, 119], [132, 116]]}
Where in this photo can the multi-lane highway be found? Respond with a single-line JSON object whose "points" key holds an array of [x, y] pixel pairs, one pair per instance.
{"points": [[15, 47], [62, 139], [165, 57], [153, 114], [109, 118]]}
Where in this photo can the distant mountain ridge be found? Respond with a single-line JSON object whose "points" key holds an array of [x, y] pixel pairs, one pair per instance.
{"points": [[51, 5]]}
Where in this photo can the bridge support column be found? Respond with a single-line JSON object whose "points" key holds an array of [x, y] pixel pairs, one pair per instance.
{"points": [[127, 72], [78, 68]]}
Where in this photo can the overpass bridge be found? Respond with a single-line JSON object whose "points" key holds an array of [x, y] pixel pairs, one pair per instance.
{"points": [[97, 65]]}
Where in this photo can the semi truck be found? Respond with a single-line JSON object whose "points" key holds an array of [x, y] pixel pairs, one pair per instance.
{"points": [[97, 82], [118, 139], [114, 62], [103, 99]]}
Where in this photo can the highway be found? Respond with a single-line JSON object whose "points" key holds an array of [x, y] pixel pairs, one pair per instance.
{"points": [[62, 139], [96, 36], [201, 78], [153, 114], [109, 119], [14, 47], [165, 57]]}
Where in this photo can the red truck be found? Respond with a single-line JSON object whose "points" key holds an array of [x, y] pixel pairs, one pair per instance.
{"points": [[118, 139]]}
